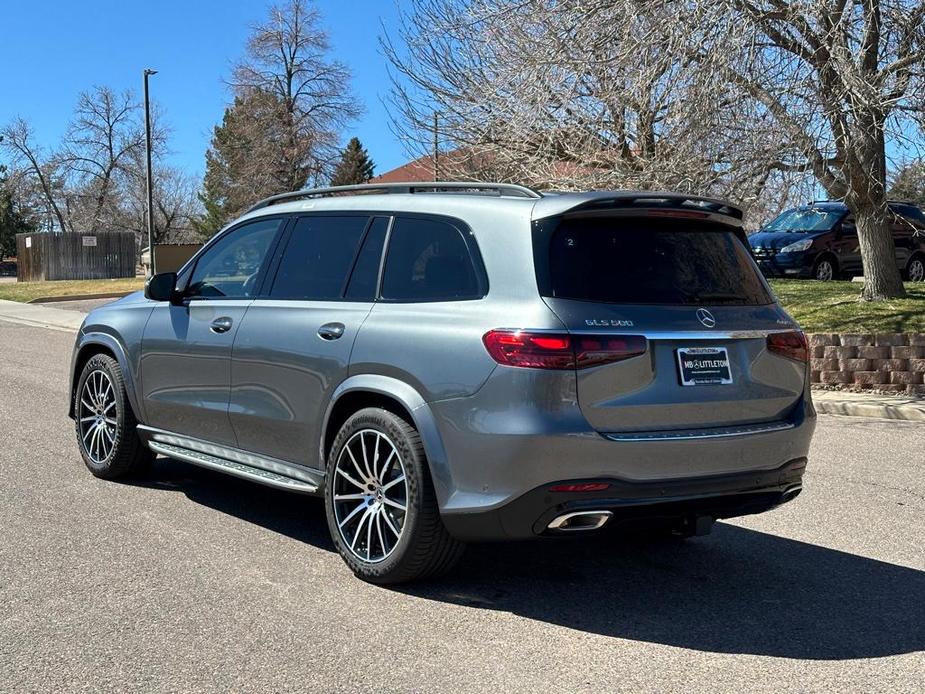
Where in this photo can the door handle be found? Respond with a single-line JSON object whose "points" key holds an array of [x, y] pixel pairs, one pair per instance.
{"points": [[221, 325], [331, 331]]}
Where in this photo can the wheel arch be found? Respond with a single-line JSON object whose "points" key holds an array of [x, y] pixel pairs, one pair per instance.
{"points": [[88, 346], [369, 390]]}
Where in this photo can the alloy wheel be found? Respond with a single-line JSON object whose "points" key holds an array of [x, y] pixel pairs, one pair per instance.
{"points": [[917, 270], [370, 495], [97, 416], [824, 271]]}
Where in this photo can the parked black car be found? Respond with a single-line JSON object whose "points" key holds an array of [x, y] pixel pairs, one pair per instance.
{"points": [[821, 241]]}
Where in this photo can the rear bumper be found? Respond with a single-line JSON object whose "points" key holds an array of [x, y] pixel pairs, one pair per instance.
{"points": [[661, 502]]}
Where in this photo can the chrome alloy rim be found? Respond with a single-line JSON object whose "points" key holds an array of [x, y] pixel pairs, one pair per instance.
{"points": [[917, 271], [98, 424], [825, 271], [370, 494]]}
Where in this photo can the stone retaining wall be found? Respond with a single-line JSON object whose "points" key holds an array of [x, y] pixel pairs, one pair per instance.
{"points": [[891, 362]]}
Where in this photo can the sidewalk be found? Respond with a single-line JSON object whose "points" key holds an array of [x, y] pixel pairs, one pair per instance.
{"points": [[905, 407], [41, 316]]}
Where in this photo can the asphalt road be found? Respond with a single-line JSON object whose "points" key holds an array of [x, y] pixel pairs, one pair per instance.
{"points": [[192, 581]]}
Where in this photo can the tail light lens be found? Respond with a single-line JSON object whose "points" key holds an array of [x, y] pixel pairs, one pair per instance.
{"points": [[560, 350], [791, 344]]}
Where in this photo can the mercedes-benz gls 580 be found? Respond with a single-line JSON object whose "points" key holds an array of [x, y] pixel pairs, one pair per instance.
{"points": [[458, 362]]}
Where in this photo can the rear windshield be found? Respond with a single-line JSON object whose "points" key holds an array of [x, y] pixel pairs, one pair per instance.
{"points": [[633, 261]]}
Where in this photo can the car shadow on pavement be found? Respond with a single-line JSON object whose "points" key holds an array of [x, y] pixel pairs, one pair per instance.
{"points": [[735, 591]]}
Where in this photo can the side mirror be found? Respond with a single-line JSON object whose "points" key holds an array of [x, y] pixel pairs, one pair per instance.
{"points": [[161, 287]]}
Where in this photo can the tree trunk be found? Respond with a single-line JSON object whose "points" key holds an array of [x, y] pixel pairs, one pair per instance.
{"points": [[881, 275]]}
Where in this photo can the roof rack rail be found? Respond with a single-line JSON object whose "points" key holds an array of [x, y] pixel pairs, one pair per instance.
{"points": [[436, 187]]}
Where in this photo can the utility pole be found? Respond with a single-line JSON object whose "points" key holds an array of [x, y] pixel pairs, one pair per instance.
{"points": [[150, 206], [436, 150]]}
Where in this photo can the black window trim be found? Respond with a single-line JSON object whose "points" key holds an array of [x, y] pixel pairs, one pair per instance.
{"points": [[475, 258], [190, 267]]}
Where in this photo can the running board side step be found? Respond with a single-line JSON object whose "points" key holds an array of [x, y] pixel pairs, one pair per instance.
{"points": [[231, 467]]}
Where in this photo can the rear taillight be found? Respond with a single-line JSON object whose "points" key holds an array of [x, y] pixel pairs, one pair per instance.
{"points": [[790, 344], [560, 350]]}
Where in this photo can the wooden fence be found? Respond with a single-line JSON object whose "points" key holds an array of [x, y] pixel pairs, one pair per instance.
{"points": [[72, 256]]}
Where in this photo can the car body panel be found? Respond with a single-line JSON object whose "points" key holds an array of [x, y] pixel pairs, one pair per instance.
{"points": [[283, 373], [186, 368]]}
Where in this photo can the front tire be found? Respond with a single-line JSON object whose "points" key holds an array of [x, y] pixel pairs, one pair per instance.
{"points": [[825, 270], [915, 271], [380, 503], [105, 423]]}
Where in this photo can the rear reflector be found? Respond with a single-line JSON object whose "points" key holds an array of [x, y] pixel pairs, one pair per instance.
{"points": [[790, 344], [583, 487], [560, 350]]}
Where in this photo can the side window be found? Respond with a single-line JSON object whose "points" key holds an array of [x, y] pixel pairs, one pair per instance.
{"points": [[230, 268], [365, 275], [848, 227], [318, 257], [428, 260]]}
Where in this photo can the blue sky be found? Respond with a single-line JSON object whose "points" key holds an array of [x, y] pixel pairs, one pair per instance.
{"points": [[51, 51]]}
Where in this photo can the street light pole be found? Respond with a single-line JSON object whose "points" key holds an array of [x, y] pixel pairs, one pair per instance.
{"points": [[150, 206]]}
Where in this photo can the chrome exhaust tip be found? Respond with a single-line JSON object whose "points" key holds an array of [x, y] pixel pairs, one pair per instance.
{"points": [[580, 520]]}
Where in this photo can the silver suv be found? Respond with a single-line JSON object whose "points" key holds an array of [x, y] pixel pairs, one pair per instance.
{"points": [[461, 362]]}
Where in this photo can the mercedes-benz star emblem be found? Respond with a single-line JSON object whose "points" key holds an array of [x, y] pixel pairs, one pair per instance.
{"points": [[706, 318]]}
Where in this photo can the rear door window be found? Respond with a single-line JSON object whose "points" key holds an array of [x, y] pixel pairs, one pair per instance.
{"points": [[638, 261], [318, 257], [429, 260]]}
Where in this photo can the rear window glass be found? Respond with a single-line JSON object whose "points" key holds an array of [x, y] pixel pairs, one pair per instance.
{"points": [[428, 260], [641, 262]]}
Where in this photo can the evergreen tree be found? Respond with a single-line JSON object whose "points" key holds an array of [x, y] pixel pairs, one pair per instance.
{"points": [[12, 221], [354, 167]]}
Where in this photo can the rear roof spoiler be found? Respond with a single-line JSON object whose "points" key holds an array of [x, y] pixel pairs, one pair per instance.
{"points": [[628, 201]]}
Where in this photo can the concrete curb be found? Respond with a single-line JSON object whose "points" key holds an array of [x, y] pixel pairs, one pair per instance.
{"points": [[80, 297], [909, 409], [39, 316]]}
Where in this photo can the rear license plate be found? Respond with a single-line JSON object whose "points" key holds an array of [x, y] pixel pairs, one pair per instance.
{"points": [[704, 366]]}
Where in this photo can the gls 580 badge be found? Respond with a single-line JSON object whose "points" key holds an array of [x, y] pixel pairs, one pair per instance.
{"points": [[608, 323]]}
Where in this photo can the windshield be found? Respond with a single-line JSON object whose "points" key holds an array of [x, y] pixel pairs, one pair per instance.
{"points": [[650, 262], [806, 219]]}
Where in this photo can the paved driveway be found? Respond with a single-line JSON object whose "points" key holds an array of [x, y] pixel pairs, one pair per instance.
{"points": [[190, 580]]}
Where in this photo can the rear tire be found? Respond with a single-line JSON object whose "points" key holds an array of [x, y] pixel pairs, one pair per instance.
{"points": [[380, 503], [105, 423]]}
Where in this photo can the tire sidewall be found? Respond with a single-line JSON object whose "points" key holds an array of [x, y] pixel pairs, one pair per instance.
{"points": [[110, 367], [413, 460]]}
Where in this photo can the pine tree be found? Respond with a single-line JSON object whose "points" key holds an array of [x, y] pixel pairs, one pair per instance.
{"points": [[354, 167]]}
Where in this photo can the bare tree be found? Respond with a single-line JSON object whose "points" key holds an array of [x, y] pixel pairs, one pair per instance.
{"points": [[104, 135], [838, 79], [18, 139], [569, 95], [307, 95]]}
